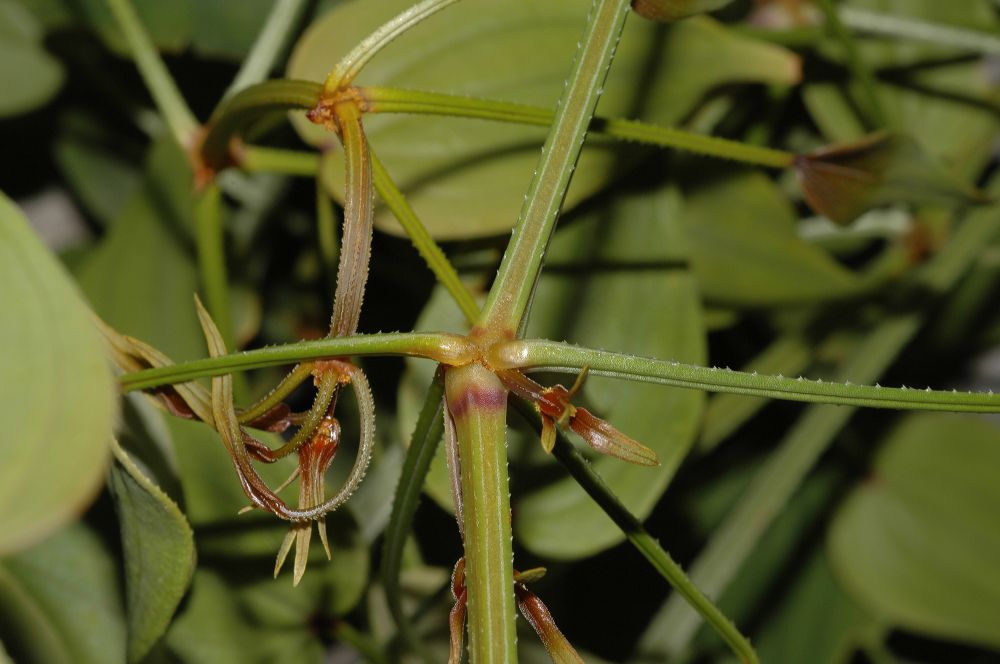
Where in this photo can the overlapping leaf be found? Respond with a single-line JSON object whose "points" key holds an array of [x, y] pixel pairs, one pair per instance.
{"points": [[467, 178]]}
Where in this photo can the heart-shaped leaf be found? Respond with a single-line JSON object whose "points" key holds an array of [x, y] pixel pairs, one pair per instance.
{"points": [[59, 405], [917, 543], [467, 178]]}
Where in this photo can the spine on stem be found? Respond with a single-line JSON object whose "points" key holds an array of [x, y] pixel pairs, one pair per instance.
{"points": [[477, 403]]}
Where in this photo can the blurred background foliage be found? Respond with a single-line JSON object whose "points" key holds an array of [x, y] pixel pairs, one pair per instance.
{"points": [[867, 537]]}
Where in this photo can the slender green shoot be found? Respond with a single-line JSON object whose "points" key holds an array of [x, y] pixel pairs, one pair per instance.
{"points": [[210, 243], [438, 346], [423, 446], [260, 159], [422, 240], [269, 45], [394, 100], [590, 481], [161, 85], [510, 296], [562, 357], [348, 68]]}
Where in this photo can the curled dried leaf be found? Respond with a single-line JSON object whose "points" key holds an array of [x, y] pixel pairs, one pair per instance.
{"points": [[843, 181]]}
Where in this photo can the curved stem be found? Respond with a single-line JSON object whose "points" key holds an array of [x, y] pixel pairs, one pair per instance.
{"points": [[248, 105], [279, 393], [212, 259], [439, 346], [422, 240], [347, 69]]}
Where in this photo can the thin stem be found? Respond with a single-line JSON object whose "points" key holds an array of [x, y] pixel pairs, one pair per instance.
{"points": [[394, 100], [477, 403], [280, 392], [906, 27], [351, 64], [859, 69], [212, 259], [438, 346], [162, 87], [423, 446], [422, 240], [560, 357], [359, 211], [268, 46], [510, 296], [257, 158], [590, 481], [248, 105]]}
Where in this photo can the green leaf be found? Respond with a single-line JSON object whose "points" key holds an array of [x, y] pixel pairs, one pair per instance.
{"points": [[59, 408], [141, 278], [745, 251], [467, 178], [917, 543], [158, 546], [944, 100], [619, 263], [59, 602], [242, 22], [29, 76]]}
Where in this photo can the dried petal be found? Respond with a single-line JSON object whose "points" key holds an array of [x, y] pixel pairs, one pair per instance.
{"points": [[843, 181], [536, 613], [606, 439]]}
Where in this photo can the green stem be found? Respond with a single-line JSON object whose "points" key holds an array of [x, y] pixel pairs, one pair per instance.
{"points": [[351, 64], [590, 481], [423, 446], [477, 403], [905, 27], [166, 96], [246, 106], [438, 346], [256, 159], [422, 240], [859, 69], [393, 100], [561, 357], [212, 259], [510, 296], [288, 384], [269, 45]]}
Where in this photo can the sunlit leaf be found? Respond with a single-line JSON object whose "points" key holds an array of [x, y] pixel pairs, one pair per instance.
{"points": [[59, 407], [158, 546], [916, 543], [59, 602], [843, 181], [29, 76], [467, 178]]}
